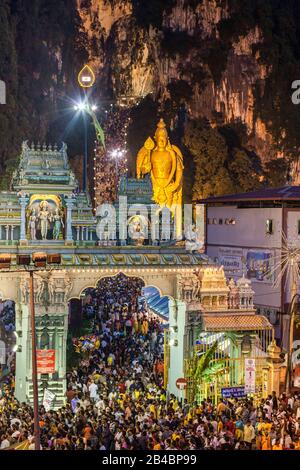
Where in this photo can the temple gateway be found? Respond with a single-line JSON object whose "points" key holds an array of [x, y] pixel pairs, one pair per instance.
{"points": [[45, 212]]}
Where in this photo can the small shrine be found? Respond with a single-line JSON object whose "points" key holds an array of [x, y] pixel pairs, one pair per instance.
{"points": [[221, 322], [45, 205]]}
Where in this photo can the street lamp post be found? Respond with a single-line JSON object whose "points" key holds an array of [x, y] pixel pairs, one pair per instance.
{"points": [[85, 108], [34, 366], [40, 260], [84, 185]]}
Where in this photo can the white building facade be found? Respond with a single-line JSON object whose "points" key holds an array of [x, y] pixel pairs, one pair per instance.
{"points": [[248, 233]]}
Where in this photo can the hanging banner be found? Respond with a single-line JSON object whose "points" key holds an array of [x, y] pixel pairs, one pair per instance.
{"points": [[48, 399], [249, 375], [259, 266], [45, 359]]}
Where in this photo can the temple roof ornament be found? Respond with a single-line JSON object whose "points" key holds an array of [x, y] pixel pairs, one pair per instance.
{"points": [[244, 285], [43, 166]]}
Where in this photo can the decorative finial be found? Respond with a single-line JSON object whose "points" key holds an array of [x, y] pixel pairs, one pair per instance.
{"points": [[24, 145], [161, 128], [44, 147], [161, 124]]}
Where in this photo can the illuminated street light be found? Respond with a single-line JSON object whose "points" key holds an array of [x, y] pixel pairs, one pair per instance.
{"points": [[86, 77], [80, 106], [85, 107]]}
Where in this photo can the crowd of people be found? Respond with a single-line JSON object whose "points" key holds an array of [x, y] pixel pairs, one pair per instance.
{"points": [[7, 315], [115, 398], [109, 164]]}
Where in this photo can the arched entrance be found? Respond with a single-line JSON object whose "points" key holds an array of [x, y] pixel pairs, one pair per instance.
{"points": [[112, 295], [116, 307]]}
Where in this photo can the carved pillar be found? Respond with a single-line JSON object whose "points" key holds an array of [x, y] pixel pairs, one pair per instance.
{"points": [[77, 233], [12, 227], [275, 363], [7, 232], [23, 203], [51, 331], [91, 234], [39, 332], [69, 204]]}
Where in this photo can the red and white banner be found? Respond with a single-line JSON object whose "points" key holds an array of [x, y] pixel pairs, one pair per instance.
{"points": [[45, 359]]}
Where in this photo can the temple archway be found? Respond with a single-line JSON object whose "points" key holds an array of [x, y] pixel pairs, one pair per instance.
{"points": [[87, 305]]}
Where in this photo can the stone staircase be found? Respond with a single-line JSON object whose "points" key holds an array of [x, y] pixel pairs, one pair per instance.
{"points": [[55, 387]]}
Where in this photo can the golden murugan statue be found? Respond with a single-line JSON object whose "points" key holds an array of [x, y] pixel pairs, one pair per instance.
{"points": [[164, 162]]}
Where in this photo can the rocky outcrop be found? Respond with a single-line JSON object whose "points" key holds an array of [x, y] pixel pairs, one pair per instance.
{"points": [[134, 61]]}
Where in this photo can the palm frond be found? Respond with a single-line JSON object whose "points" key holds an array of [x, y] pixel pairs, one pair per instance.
{"points": [[203, 362]]}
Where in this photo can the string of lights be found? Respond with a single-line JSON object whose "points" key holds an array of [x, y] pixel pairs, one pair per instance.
{"points": [[110, 163]]}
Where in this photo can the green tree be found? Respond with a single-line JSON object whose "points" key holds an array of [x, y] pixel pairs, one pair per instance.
{"points": [[209, 152], [276, 172], [242, 171], [219, 168]]}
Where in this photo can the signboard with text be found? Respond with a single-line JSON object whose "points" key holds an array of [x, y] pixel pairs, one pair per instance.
{"points": [[235, 392], [181, 383], [48, 399], [249, 375], [231, 260], [45, 359]]}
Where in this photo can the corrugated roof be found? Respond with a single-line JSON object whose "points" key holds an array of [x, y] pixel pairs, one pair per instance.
{"points": [[286, 193], [235, 322]]}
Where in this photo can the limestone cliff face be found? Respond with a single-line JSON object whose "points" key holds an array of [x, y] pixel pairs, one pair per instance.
{"points": [[133, 61]]}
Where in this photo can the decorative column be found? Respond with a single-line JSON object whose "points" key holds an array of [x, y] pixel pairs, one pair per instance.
{"points": [[51, 332], [7, 232], [12, 227], [39, 332], [275, 363], [86, 233], [176, 344], [77, 232], [91, 234], [69, 236], [23, 203]]}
